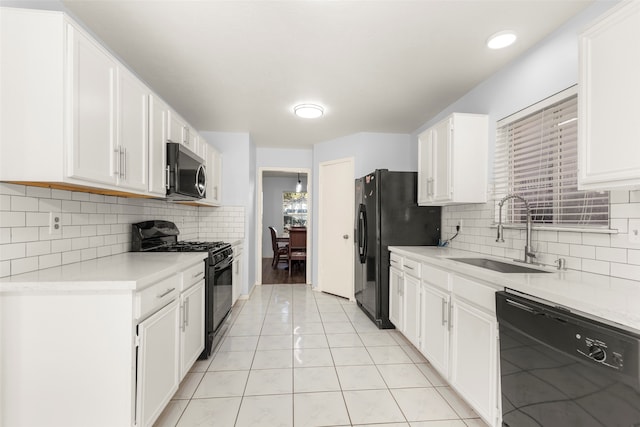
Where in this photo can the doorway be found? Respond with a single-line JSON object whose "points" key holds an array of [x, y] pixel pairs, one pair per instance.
{"points": [[285, 205]]}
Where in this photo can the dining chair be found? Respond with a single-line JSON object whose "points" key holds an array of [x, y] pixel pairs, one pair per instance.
{"points": [[297, 250], [280, 250]]}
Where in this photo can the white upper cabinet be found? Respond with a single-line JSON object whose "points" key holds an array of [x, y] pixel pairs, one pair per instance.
{"points": [[133, 141], [158, 116], [452, 164], [608, 131], [84, 113], [95, 155], [214, 175]]}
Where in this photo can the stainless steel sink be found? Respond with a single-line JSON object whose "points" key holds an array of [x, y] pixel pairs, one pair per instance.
{"points": [[502, 267]]}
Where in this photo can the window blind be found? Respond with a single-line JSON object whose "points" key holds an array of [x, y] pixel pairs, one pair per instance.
{"points": [[536, 158]]}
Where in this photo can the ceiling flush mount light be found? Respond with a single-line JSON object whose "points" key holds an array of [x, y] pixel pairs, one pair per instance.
{"points": [[501, 39], [308, 111]]}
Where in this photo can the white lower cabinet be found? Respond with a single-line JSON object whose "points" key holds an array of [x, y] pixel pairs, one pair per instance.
{"points": [[474, 347], [158, 374], [191, 326], [451, 320], [434, 334], [237, 275], [411, 309], [99, 358], [396, 287]]}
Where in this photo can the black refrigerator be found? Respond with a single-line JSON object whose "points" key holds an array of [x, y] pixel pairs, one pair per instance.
{"points": [[387, 214]]}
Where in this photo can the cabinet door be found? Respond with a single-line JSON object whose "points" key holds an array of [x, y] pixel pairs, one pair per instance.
{"points": [[396, 284], [192, 326], [133, 118], [609, 135], [434, 334], [474, 357], [176, 128], [237, 274], [411, 309], [441, 146], [214, 175], [158, 115], [425, 169], [158, 368], [93, 155]]}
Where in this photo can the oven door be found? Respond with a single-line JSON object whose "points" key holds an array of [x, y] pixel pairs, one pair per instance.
{"points": [[222, 291]]}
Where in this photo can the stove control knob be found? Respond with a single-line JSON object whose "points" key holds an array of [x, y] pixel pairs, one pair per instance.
{"points": [[597, 353]]}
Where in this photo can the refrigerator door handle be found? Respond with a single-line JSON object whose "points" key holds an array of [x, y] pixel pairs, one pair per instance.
{"points": [[362, 234]]}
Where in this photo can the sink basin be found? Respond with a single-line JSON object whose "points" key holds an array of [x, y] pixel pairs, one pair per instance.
{"points": [[502, 267]]}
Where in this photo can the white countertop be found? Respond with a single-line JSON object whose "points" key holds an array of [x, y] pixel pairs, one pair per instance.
{"points": [[616, 300], [131, 271]]}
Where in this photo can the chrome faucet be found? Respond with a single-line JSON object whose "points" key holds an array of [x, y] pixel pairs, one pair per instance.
{"points": [[528, 252]]}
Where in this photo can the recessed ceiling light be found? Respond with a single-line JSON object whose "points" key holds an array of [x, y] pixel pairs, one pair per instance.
{"points": [[308, 111], [501, 39]]}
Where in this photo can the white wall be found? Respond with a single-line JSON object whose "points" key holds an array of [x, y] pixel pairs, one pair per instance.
{"points": [[301, 158]]}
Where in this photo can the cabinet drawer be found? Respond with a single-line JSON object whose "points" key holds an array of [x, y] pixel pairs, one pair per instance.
{"points": [[436, 277], [476, 293], [156, 296], [191, 276], [396, 261], [411, 267]]}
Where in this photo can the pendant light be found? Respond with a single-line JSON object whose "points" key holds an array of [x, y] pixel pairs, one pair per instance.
{"points": [[299, 185]]}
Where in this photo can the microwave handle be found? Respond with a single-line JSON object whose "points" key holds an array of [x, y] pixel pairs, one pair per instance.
{"points": [[201, 171]]}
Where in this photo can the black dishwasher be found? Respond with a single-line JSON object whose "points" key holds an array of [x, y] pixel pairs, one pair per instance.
{"points": [[561, 369]]}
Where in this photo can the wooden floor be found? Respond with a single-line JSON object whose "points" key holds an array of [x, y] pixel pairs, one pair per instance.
{"points": [[280, 275]]}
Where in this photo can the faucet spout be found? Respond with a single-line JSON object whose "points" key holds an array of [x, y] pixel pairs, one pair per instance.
{"points": [[529, 255]]}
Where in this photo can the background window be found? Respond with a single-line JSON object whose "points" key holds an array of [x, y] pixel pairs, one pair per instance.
{"points": [[536, 158], [294, 208]]}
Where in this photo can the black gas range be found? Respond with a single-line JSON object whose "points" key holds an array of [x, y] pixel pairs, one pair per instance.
{"points": [[162, 236]]}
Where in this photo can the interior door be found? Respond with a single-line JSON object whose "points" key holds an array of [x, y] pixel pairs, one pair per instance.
{"points": [[335, 227]]}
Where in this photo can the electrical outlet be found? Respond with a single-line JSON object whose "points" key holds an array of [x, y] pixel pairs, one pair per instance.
{"points": [[55, 224], [634, 230]]}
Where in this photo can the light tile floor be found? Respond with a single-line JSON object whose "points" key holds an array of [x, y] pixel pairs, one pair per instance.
{"points": [[296, 357]]}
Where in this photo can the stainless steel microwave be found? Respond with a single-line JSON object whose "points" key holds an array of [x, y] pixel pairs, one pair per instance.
{"points": [[186, 174]]}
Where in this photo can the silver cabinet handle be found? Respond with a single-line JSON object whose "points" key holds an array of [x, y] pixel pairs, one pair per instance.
{"points": [[167, 292], [450, 316], [406, 266], [182, 326], [122, 164], [186, 315], [197, 274], [444, 308], [168, 177], [124, 168], [116, 170]]}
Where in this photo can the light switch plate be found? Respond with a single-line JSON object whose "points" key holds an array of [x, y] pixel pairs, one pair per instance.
{"points": [[634, 230]]}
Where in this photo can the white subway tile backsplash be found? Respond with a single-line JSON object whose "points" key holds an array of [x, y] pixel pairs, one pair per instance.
{"points": [[89, 253], [37, 219], [5, 235], [51, 260], [24, 265], [601, 253], [633, 256], [80, 196], [24, 204], [70, 257], [611, 254], [629, 210], [626, 271], [39, 192], [49, 205], [63, 245], [12, 251], [594, 266], [38, 248], [70, 206], [13, 189], [24, 234], [12, 219], [5, 202], [5, 268], [60, 194]]}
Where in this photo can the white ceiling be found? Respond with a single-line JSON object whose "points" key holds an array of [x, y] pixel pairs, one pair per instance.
{"points": [[376, 66]]}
